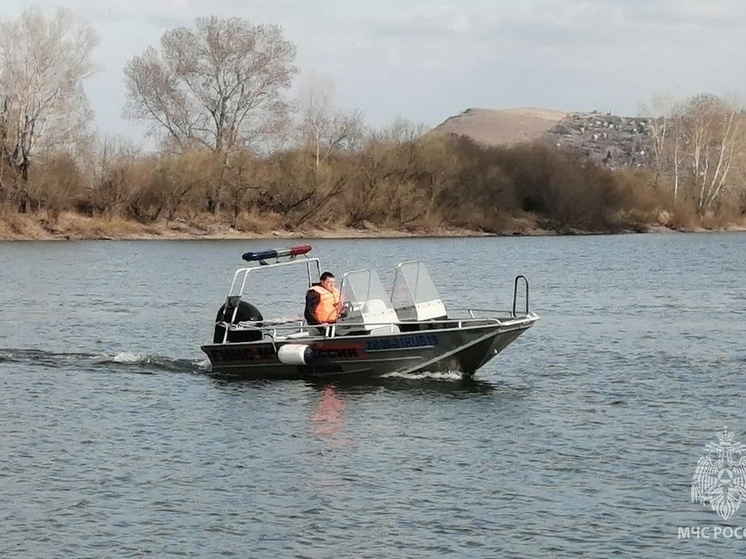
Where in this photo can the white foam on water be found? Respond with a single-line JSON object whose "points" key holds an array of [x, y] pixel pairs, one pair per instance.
{"points": [[203, 365], [124, 358], [128, 358], [429, 375]]}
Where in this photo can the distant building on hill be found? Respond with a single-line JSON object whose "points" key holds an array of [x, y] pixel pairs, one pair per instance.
{"points": [[615, 141]]}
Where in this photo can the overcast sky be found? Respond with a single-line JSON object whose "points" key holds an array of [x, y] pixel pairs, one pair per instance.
{"points": [[425, 60]]}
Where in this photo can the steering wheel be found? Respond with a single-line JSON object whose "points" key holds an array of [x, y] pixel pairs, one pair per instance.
{"points": [[346, 309]]}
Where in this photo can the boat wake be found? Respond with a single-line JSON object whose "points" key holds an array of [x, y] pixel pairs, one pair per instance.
{"points": [[134, 362], [447, 376]]}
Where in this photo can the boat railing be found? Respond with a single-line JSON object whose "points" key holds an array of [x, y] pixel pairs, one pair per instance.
{"points": [[521, 281], [301, 329], [480, 313], [241, 276], [520, 291], [241, 280]]}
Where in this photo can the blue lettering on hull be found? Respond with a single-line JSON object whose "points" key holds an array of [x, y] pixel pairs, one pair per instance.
{"points": [[401, 342]]}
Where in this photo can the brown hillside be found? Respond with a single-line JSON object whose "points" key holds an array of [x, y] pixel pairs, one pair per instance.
{"points": [[616, 141], [502, 127]]}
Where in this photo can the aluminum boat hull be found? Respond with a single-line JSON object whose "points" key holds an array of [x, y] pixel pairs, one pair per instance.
{"points": [[425, 347]]}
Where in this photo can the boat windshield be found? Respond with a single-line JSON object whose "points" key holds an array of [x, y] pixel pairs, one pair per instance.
{"points": [[414, 294], [364, 285], [412, 285]]}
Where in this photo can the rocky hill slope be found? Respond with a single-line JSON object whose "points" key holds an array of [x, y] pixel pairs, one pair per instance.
{"points": [[615, 141]]}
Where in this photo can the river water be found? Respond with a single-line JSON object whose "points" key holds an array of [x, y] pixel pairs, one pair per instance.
{"points": [[580, 440]]}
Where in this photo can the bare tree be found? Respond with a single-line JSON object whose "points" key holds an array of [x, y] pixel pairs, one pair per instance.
{"points": [[43, 63], [109, 171], [400, 131], [218, 85], [709, 129], [325, 127], [661, 113], [667, 140]]}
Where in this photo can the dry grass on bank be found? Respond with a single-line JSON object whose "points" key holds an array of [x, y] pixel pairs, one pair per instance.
{"points": [[72, 226], [20, 227]]}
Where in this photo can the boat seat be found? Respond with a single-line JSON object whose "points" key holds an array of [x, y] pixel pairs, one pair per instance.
{"points": [[376, 312]]}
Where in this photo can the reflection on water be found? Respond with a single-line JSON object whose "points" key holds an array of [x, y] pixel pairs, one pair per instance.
{"points": [[449, 384], [328, 417]]}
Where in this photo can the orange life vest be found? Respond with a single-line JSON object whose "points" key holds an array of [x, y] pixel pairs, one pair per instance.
{"points": [[329, 302]]}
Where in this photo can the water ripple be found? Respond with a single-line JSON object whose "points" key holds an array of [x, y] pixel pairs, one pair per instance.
{"points": [[579, 441], [128, 361]]}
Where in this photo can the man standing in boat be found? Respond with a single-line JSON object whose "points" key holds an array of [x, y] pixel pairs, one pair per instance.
{"points": [[323, 301]]}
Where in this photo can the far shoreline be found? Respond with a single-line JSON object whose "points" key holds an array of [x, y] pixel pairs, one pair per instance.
{"points": [[344, 233], [71, 227]]}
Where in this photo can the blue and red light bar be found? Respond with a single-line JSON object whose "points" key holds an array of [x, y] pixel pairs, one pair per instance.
{"points": [[277, 253]]}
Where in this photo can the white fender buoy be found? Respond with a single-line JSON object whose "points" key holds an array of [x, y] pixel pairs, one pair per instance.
{"points": [[295, 354]]}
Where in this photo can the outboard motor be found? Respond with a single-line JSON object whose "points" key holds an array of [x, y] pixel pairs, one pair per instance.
{"points": [[246, 313]]}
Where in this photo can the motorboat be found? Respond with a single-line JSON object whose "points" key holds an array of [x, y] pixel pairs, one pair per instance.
{"points": [[405, 330]]}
